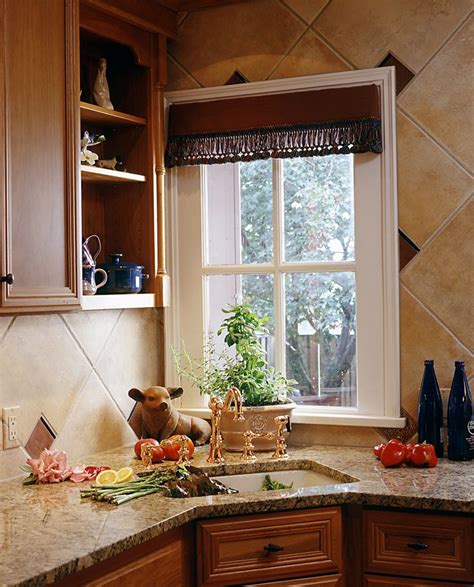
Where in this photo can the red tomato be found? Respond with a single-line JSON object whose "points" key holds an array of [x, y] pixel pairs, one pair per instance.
{"points": [[378, 449], [408, 459], [419, 455], [431, 457], [157, 454], [172, 445], [393, 454], [138, 445]]}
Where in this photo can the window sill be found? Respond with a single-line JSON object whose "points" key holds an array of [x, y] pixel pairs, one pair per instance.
{"points": [[303, 417]]}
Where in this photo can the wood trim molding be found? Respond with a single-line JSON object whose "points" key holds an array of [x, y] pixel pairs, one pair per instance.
{"points": [[152, 16]]}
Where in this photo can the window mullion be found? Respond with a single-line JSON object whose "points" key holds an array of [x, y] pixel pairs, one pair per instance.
{"points": [[278, 257]]}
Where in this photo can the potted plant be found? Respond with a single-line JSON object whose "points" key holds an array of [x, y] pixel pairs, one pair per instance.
{"points": [[243, 364]]}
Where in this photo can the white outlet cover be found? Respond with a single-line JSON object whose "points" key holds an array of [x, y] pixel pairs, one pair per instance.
{"points": [[10, 431]]}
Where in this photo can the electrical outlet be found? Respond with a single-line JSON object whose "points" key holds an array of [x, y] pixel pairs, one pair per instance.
{"points": [[10, 427]]}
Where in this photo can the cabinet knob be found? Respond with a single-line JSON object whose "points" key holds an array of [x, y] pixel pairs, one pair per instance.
{"points": [[9, 278], [418, 546], [273, 547]]}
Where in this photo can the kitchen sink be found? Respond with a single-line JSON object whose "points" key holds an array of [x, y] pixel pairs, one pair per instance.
{"points": [[250, 482]]}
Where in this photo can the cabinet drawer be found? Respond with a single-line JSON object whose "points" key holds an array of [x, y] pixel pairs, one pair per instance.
{"points": [[381, 581], [326, 581], [250, 549], [419, 545]]}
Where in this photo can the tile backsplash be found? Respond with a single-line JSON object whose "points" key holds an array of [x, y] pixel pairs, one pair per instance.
{"points": [[70, 373]]}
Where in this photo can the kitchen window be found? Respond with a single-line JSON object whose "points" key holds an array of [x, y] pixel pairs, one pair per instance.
{"points": [[308, 241]]}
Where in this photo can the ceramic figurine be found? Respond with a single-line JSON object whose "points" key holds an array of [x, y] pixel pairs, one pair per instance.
{"points": [[107, 163], [101, 86], [156, 417], [90, 140]]}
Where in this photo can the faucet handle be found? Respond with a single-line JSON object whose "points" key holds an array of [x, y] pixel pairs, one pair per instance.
{"points": [[247, 454], [280, 447]]}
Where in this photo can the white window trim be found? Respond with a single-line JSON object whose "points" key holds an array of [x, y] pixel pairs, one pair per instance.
{"points": [[384, 78]]}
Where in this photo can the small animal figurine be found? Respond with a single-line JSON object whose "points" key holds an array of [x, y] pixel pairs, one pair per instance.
{"points": [[90, 140], [101, 86], [156, 417], [107, 163]]}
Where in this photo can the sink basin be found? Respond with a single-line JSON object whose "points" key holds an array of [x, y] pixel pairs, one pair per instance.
{"points": [[249, 482]]}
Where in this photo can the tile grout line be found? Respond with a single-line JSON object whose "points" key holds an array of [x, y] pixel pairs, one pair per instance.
{"points": [[436, 319], [328, 43], [446, 222], [433, 139], [289, 50], [298, 16], [8, 329], [186, 71], [445, 42], [332, 48]]}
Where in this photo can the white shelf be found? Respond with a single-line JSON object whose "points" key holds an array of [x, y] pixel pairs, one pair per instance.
{"points": [[118, 301], [100, 175]]}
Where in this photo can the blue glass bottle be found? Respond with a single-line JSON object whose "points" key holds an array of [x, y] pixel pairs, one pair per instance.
{"points": [[430, 410], [460, 417]]}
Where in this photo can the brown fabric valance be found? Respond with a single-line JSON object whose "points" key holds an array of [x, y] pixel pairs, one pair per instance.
{"points": [[296, 124]]}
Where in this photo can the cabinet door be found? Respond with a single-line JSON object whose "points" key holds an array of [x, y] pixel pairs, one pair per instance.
{"points": [[381, 581], [38, 155]]}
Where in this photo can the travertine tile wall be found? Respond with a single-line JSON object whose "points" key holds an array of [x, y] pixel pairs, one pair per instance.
{"points": [[269, 39], [75, 369]]}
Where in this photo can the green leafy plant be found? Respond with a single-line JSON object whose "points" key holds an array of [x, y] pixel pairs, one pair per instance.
{"points": [[248, 370]]}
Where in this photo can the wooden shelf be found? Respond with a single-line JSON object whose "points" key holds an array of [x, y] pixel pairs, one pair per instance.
{"points": [[103, 117], [118, 301], [99, 175]]}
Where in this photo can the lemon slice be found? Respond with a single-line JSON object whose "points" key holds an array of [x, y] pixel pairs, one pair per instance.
{"points": [[124, 474], [108, 477]]}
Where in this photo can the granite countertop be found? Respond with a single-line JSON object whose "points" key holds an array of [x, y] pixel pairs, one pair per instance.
{"points": [[48, 532]]}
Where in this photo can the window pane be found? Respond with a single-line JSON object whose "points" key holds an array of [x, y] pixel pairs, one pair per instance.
{"points": [[256, 290], [319, 208], [320, 337], [239, 213]]}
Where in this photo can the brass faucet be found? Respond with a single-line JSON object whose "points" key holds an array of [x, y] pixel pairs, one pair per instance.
{"points": [[217, 407]]}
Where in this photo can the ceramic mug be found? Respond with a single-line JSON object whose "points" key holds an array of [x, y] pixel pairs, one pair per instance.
{"points": [[89, 285]]}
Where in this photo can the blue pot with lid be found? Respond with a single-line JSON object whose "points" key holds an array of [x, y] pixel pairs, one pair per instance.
{"points": [[122, 277]]}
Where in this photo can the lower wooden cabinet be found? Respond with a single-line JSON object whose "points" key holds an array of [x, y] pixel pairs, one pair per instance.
{"points": [[270, 547], [165, 561], [325, 581], [419, 545]]}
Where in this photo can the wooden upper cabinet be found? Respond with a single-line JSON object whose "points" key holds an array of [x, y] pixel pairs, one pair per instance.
{"points": [[39, 133]]}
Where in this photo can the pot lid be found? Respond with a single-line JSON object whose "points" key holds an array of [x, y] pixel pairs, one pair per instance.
{"points": [[117, 263]]}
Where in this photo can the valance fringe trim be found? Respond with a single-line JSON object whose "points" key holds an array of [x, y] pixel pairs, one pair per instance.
{"points": [[341, 137]]}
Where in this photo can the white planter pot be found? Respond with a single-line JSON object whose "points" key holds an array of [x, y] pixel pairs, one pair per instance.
{"points": [[259, 419]]}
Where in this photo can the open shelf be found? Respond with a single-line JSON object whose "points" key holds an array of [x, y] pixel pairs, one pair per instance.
{"points": [[103, 117], [100, 175], [118, 301]]}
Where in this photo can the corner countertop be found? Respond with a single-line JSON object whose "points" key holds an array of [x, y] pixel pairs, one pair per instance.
{"points": [[48, 532]]}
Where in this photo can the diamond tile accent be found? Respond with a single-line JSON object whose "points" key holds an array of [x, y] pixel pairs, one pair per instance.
{"points": [[430, 184], [130, 357], [310, 56], [423, 337], [236, 78], [213, 43], [442, 278], [404, 434], [95, 423], [412, 29], [5, 322], [403, 75], [40, 360], [408, 249], [42, 437], [92, 329], [440, 98]]}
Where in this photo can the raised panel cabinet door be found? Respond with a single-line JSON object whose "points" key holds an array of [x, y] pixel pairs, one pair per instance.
{"points": [[381, 581], [38, 155]]}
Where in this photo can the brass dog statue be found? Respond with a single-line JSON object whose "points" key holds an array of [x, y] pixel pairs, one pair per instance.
{"points": [[155, 416]]}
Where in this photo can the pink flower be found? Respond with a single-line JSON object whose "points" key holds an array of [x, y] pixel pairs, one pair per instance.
{"points": [[79, 474], [51, 467]]}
